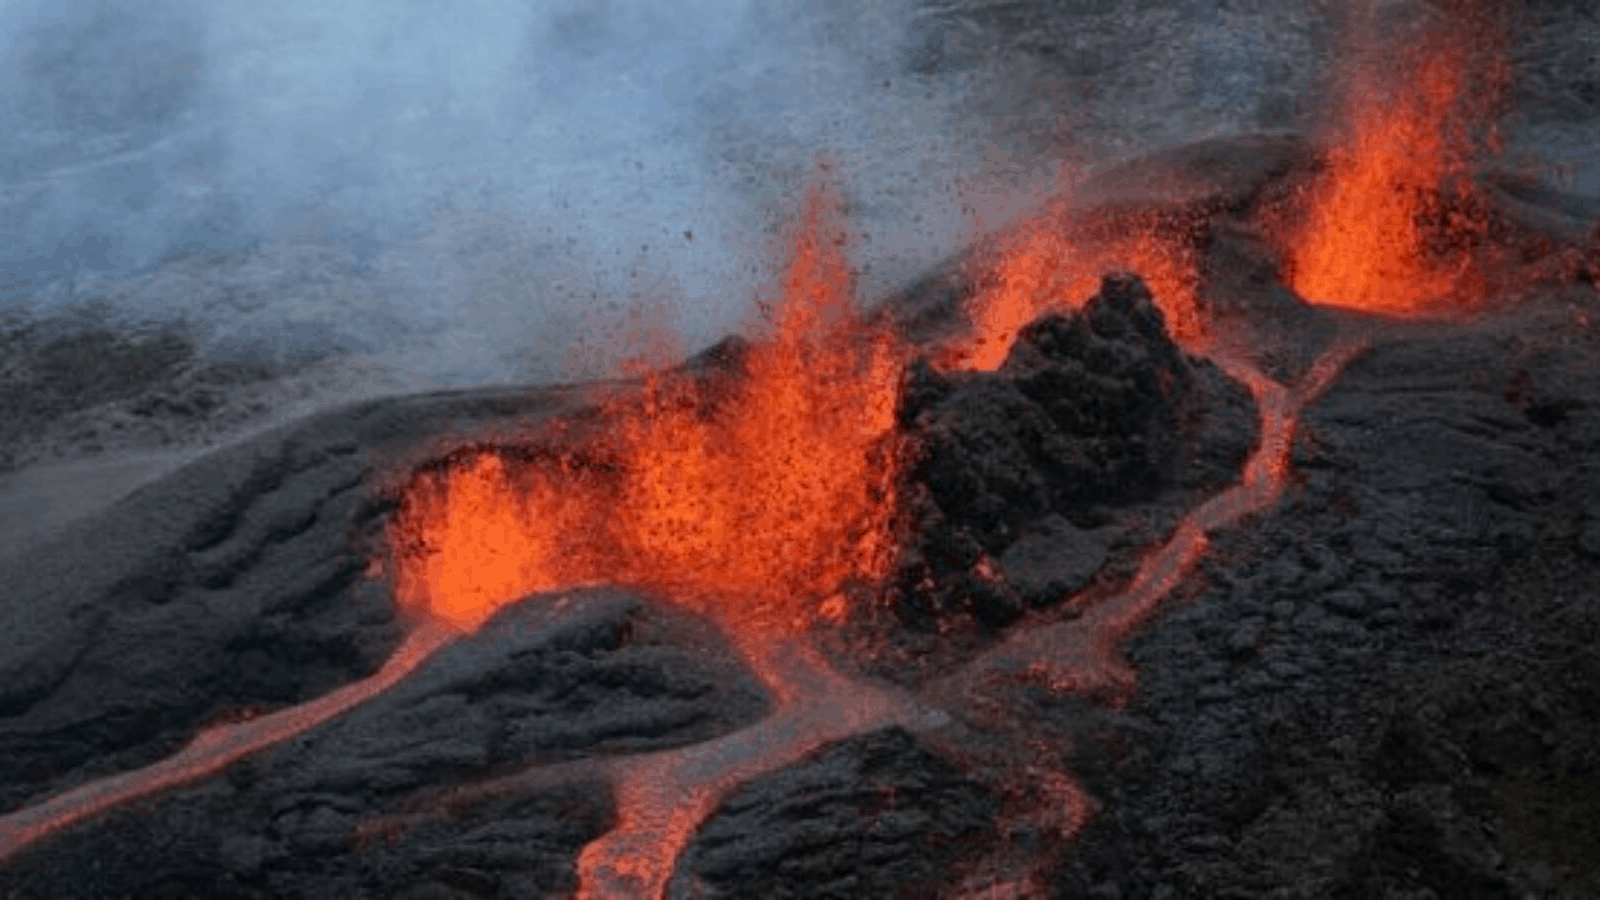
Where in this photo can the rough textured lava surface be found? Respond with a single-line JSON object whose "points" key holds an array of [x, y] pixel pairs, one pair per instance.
{"points": [[1038, 464]]}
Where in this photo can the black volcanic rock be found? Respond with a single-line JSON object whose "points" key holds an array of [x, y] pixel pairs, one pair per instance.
{"points": [[1054, 558], [234, 582], [1091, 409], [364, 806], [1385, 685], [872, 816], [1389, 689]]}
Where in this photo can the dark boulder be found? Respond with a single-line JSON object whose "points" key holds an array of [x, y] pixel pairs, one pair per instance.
{"points": [[874, 816], [1091, 409]]}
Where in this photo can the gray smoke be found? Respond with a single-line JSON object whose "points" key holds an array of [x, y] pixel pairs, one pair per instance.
{"points": [[458, 189]]}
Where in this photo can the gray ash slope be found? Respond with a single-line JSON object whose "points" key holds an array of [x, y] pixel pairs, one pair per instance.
{"points": [[1350, 693]]}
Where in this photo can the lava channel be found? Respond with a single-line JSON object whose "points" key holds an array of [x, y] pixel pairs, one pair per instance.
{"points": [[214, 748]]}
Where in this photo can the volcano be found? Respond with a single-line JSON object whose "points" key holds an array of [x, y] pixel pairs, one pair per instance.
{"points": [[1306, 605], [1229, 525]]}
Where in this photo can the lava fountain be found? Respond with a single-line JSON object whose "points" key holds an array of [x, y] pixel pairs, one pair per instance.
{"points": [[1043, 268], [751, 496], [1393, 225]]}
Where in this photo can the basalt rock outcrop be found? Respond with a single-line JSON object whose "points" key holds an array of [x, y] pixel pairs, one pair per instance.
{"points": [[1091, 412]]}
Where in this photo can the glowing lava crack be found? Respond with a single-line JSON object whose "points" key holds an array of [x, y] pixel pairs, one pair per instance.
{"points": [[665, 797], [213, 750]]}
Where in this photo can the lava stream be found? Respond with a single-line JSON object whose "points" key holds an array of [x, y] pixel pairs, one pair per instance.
{"points": [[1082, 656], [664, 797], [214, 749]]}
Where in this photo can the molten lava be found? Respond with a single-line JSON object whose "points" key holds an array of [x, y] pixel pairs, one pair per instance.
{"points": [[1385, 229], [1043, 268], [663, 798], [753, 496], [212, 750]]}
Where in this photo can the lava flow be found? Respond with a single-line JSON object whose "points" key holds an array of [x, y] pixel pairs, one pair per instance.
{"points": [[1081, 656], [213, 749]]}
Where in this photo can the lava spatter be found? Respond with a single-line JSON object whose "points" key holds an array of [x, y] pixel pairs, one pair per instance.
{"points": [[1045, 265], [1389, 226], [758, 493]]}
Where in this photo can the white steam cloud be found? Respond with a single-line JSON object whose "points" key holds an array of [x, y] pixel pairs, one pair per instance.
{"points": [[457, 189]]}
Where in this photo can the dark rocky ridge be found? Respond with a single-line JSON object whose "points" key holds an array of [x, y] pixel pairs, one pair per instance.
{"points": [[1091, 411], [1371, 688], [916, 822], [1176, 193], [235, 582]]}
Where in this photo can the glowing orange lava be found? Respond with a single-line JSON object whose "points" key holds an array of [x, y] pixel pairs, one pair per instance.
{"points": [[1411, 110], [1043, 267], [212, 749], [663, 798], [755, 496]]}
